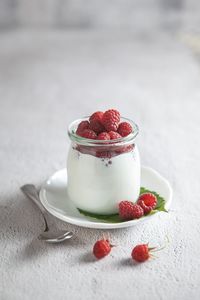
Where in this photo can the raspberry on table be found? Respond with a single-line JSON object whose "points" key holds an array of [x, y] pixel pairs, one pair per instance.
{"points": [[82, 126], [88, 134], [148, 202], [114, 135], [103, 136], [140, 253], [111, 119], [124, 129], [101, 248], [130, 211]]}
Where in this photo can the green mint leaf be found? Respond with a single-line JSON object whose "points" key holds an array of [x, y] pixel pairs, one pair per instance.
{"points": [[114, 218]]}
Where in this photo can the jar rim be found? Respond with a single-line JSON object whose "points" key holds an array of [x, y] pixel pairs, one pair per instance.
{"points": [[91, 142]]}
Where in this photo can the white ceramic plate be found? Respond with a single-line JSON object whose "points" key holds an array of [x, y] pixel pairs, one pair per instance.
{"points": [[53, 196]]}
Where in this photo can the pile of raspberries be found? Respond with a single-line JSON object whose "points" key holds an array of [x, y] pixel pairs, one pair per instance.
{"points": [[104, 126]]}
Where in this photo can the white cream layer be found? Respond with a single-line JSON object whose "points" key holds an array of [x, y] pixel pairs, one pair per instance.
{"points": [[97, 185]]}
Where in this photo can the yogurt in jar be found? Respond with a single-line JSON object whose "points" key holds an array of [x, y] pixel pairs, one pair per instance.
{"points": [[98, 184]]}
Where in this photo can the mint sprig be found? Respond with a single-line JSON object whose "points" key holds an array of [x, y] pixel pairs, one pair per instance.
{"points": [[115, 218]]}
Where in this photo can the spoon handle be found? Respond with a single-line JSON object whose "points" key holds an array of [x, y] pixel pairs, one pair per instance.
{"points": [[31, 192]]}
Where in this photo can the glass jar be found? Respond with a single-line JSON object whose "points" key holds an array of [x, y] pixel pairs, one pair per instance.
{"points": [[102, 173]]}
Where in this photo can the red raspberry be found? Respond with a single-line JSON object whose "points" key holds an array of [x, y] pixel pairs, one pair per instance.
{"points": [[125, 210], [111, 119], [101, 248], [82, 126], [103, 136], [148, 202], [124, 129], [137, 211], [96, 122], [114, 135], [97, 116], [129, 210], [88, 134], [140, 253], [96, 126]]}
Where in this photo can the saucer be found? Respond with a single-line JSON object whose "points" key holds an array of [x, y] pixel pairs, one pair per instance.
{"points": [[53, 196]]}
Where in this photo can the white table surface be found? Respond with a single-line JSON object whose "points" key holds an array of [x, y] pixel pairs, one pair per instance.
{"points": [[46, 81]]}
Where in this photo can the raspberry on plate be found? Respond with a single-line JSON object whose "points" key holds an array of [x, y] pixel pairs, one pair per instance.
{"points": [[101, 248], [140, 253], [82, 126], [111, 119], [103, 136], [137, 211], [148, 202], [114, 135], [124, 129], [130, 211], [88, 134]]}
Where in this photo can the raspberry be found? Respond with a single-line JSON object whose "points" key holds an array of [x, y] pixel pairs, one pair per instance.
{"points": [[111, 119], [124, 129], [82, 126], [97, 116], [148, 202], [96, 126], [95, 122], [137, 211], [88, 134], [140, 253], [129, 211], [114, 135], [101, 248], [103, 136], [125, 210]]}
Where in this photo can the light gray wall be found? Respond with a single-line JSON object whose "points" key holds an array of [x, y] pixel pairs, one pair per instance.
{"points": [[142, 14]]}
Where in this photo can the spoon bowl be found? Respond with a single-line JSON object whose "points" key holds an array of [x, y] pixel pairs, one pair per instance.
{"points": [[56, 237]]}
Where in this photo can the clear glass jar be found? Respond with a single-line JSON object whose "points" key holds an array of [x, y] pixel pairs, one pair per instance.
{"points": [[101, 174]]}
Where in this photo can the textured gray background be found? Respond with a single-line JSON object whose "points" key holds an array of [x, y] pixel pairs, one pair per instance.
{"points": [[134, 14], [149, 70], [47, 80]]}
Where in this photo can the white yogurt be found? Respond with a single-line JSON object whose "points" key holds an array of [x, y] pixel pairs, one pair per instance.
{"points": [[97, 185]]}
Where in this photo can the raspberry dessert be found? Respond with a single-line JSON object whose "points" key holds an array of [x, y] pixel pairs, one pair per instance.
{"points": [[103, 162]]}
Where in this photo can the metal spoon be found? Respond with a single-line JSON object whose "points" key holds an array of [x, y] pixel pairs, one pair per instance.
{"points": [[48, 235]]}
